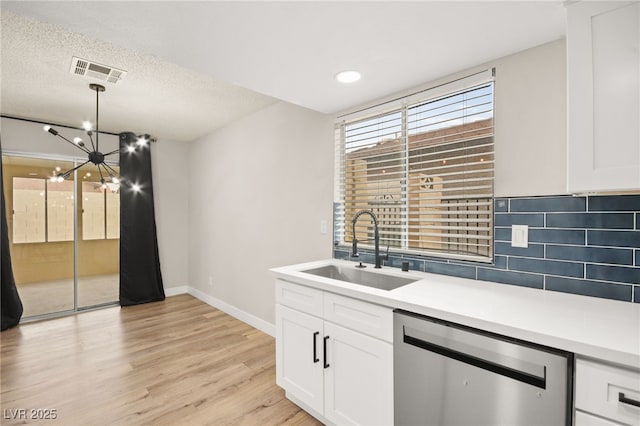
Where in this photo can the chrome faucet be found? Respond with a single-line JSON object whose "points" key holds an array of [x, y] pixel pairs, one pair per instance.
{"points": [[376, 238]]}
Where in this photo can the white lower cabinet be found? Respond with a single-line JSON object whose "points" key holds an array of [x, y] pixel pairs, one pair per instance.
{"points": [[606, 394], [341, 375]]}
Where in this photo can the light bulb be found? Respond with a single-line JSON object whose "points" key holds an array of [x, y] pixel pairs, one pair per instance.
{"points": [[115, 179], [77, 140], [142, 141], [46, 127], [87, 125], [131, 148], [60, 178], [135, 187], [58, 168]]}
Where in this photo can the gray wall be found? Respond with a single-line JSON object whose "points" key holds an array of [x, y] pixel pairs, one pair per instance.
{"points": [[259, 189]]}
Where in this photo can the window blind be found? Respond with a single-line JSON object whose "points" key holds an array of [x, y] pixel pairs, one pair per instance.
{"points": [[425, 169]]}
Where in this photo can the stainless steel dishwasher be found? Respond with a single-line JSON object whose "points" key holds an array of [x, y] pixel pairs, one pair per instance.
{"points": [[449, 374]]}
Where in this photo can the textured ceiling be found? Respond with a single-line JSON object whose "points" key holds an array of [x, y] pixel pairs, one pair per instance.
{"points": [[155, 97], [284, 50]]}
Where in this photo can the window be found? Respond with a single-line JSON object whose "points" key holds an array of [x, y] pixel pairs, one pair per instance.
{"points": [[42, 210], [100, 212], [425, 169]]}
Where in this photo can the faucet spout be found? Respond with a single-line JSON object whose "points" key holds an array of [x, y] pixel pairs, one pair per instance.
{"points": [[376, 236]]}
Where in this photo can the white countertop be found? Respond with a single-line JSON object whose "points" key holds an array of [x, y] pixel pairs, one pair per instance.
{"points": [[608, 330]]}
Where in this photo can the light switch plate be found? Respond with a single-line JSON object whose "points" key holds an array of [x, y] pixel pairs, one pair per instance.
{"points": [[520, 236]]}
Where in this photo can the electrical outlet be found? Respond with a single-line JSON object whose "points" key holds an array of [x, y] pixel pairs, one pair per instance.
{"points": [[520, 236]]}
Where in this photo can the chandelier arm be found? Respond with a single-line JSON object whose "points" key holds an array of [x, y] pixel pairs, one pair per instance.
{"points": [[74, 144], [68, 173], [112, 152], [106, 166], [100, 171]]}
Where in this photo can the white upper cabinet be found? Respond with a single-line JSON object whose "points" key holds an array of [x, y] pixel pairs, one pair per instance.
{"points": [[603, 79]]}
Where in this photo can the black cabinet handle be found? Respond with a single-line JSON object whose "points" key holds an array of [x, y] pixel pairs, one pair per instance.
{"points": [[315, 351], [324, 351], [625, 400]]}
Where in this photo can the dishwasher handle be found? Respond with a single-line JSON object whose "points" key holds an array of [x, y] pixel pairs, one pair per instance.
{"points": [[512, 373]]}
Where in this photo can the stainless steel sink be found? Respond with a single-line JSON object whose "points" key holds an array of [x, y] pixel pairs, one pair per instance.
{"points": [[360, 276]]}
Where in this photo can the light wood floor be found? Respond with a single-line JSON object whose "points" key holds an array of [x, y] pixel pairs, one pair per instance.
{"points": [[177, 362]]}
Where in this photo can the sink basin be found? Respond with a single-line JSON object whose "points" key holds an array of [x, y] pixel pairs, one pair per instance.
{"points": [[354, 275]]}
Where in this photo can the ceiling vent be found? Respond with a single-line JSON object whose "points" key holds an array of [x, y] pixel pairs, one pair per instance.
{"points": [[94, 70]]}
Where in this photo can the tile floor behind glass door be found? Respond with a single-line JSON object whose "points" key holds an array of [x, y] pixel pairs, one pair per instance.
{"points": [[55, 296]]}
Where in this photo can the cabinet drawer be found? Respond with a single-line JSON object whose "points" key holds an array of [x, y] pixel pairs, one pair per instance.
{"points": [[601, 387], [373, 320], [305, 299], [584, 419]]}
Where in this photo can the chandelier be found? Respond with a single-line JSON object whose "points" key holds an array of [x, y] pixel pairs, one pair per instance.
{"points": [[109, 178]]}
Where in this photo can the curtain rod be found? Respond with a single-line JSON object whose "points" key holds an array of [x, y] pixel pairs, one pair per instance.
{"points": [[28, 120]]}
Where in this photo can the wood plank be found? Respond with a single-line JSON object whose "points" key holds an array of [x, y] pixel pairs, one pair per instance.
{"points": [[179, 361]]}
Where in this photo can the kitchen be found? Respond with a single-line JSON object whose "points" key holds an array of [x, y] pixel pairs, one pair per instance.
{"points": [[270, 212]]}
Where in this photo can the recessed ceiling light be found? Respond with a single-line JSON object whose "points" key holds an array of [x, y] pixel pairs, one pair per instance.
{"points": [[348, 76]]}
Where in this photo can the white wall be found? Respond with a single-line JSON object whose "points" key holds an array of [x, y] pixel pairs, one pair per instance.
{"points": [[531, 122], [169, 166], [258, 191]]}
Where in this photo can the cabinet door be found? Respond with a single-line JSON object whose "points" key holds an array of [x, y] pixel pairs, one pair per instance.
{"points": [[298, 369], [359, 379], [603, 78]]}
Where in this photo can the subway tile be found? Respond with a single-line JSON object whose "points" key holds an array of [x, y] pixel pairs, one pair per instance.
{"points": [[508, 219], [513, 278], [614, 203], [589, 288], [636, 293], [395, 261], [559, 236], [637, 263], [590, 220], [500, 262], [549, 204], [534, 250], [553, 267], [341, 254], [501, 205], [450, 269], [613, 273], [502, 234], [590, 254], [613, 238]]}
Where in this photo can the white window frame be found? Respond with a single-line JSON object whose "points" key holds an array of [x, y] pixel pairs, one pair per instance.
{"points": [[342, 228]]}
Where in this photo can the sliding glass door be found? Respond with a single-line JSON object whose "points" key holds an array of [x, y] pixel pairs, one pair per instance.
{"points": [[64, 236], [99, 239]]}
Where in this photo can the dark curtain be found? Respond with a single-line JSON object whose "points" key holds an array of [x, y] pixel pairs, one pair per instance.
{"points": [[11, 303], [140, 277]]}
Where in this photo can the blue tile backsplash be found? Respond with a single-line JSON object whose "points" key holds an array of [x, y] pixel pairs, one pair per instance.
{"points": [[587, 245]]}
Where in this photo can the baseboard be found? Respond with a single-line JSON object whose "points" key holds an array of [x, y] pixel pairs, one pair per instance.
{"points": [[252, 320], [173, 291]]}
